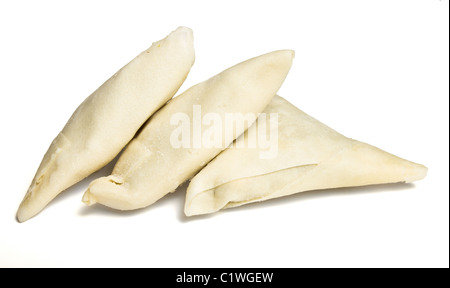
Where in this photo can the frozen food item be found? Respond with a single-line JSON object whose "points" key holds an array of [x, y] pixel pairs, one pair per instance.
{"points": [[109, 118], [155, 163], [310, 156]]}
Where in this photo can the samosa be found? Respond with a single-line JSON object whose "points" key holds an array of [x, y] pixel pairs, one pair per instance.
{"points": [[309, 156], [110, 117], [155, 163]]}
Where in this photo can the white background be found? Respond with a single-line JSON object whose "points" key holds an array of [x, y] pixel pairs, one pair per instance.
{"points": [[376, 71]]}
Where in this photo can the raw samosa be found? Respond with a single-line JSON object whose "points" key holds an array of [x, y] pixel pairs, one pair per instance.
{"points": [[155, 163], [109, 118], [309, 156]]}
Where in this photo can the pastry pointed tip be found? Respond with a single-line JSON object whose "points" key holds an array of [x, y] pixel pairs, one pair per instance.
{"points": [[185, 32], [286, 54], [379, 166], [28, 208], [19, 218], [418, 172], [23, 214], [88, 198], [188, 211], [184, 29], [292, 52], [109, 191]]}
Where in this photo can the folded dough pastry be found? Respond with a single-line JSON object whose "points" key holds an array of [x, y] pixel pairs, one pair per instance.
{"points": [[152, 166], [109, 118], [310, 156]]}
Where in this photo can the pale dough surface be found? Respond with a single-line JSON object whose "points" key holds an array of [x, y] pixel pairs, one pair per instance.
{"points": [[150, 167], [109, 118], [310, 156]]}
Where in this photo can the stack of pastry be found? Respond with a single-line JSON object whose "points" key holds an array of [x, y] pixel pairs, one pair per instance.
{"points": [[133, 112]]}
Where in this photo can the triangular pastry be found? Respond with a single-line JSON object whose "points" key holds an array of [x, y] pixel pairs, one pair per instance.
{"points": [[310, 156], [153, 165], [110, 117]]}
